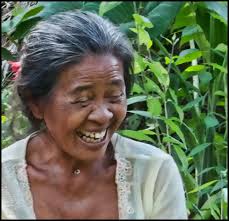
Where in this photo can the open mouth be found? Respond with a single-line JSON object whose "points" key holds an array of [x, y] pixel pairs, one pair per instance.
{"points": [[92, 137]]}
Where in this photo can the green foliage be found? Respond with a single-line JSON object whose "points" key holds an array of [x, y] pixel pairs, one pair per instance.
{"points": [[179, 98]]}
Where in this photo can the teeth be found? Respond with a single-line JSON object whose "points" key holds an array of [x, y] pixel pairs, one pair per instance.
{"points": [[92, 137], [94, 134], [90, 140]]}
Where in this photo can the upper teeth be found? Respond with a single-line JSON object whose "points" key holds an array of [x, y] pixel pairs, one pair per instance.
{"points": [[94, 134]]}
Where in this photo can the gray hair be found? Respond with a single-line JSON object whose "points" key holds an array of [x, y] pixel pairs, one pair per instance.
{"points": [[64, 39]]}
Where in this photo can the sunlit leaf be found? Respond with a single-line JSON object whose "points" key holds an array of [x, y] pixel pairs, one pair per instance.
{"points": [[4, 119], [221, 47], [219, 67], [107, 6], [141, 113], [154, 106], [142, 21], [160, 72], [199, 188], [144, 38], [195, 68], [137, 89], [217, 7], [139, 63], [188, 55], [138, 135], [136, 99], [220, 93]]}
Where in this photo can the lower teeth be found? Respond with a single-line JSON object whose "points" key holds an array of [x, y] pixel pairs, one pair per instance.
{"points": [[90, 140]]}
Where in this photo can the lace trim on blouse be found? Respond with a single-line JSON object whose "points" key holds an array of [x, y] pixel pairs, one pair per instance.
{"points": [[124, 170], [23, 178], [123, 175]]}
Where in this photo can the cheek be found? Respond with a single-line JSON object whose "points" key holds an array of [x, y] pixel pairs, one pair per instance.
{"points": [[120, 112], [65, 117]]}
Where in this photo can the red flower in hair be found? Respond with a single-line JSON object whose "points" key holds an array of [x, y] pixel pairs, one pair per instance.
{"points": [[15, 68]]}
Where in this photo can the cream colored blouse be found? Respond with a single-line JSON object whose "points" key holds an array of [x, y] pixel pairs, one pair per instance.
{"points": [[149, 185]]}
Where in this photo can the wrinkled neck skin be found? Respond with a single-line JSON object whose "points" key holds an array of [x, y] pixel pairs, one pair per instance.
{"points": [[50, 156]]}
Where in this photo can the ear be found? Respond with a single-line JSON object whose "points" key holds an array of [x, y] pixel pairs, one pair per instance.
{"points": [[36, 108]]}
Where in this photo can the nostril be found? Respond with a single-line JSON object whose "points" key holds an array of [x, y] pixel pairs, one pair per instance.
{"points": [[101, 115]]}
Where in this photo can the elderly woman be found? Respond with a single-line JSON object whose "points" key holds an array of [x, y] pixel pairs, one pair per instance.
{"points": [[74, 80]]}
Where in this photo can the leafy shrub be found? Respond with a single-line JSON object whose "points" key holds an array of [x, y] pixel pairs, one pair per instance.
{"points": [[179, 98]]}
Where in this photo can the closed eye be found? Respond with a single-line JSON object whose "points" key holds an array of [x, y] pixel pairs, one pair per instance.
{"points": [[116, 98], [82, 101]]}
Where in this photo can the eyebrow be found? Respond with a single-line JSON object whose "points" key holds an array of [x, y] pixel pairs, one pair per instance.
{"points": [[116, 82]]}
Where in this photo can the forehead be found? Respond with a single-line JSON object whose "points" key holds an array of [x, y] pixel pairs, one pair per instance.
{"points": [[94, 67]]}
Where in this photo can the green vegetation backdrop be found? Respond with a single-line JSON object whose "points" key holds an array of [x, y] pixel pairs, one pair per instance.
{"points": [[179, 97]]}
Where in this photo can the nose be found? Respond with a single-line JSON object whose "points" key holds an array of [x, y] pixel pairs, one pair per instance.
{"points": [[101, 115]]}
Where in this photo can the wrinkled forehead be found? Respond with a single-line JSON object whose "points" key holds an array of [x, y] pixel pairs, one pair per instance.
{"points": [[93, 69]]}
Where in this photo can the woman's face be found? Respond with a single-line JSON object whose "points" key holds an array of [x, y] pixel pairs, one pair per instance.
{"points": [[87, 106]]}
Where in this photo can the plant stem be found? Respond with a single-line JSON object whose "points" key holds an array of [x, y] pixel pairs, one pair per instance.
{"points": [[158, 135], [195, 80], [167, 128], [135, 7], [226, 95]]}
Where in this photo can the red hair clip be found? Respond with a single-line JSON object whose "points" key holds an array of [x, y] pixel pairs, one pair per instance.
{"points": [[15, 68]]}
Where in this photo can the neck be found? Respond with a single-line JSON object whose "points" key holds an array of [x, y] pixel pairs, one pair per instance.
{"points": [[44, 153]]}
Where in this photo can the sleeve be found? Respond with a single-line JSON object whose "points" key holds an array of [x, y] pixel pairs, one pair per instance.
{"points": [[169, 198]]}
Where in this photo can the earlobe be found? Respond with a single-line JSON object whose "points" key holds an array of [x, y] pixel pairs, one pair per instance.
{"points": [[36, 109]]}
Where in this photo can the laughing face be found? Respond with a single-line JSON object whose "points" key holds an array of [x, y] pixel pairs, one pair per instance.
{"points": [[87, 105]]}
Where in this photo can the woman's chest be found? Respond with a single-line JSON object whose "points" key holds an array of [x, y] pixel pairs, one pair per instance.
{"points": [[91, 200]]}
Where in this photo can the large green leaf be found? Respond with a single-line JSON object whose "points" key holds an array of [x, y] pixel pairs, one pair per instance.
{"points": [[154, 106], [182, 156], [160, 72], [7, 55], [185, 17], [139, 63], [122, 13], [107, 6], [141, 113], [34, 11], [217, 7], [162, 16], [175, 128], [24, 27], [136, 99], [190, 32], [151, 86], [10, 25], [188, 55], [173, 140], [138, 135], [211, 121], [142, 21], [203, 186], [205, 77], [51, 8], [198, 149]]}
